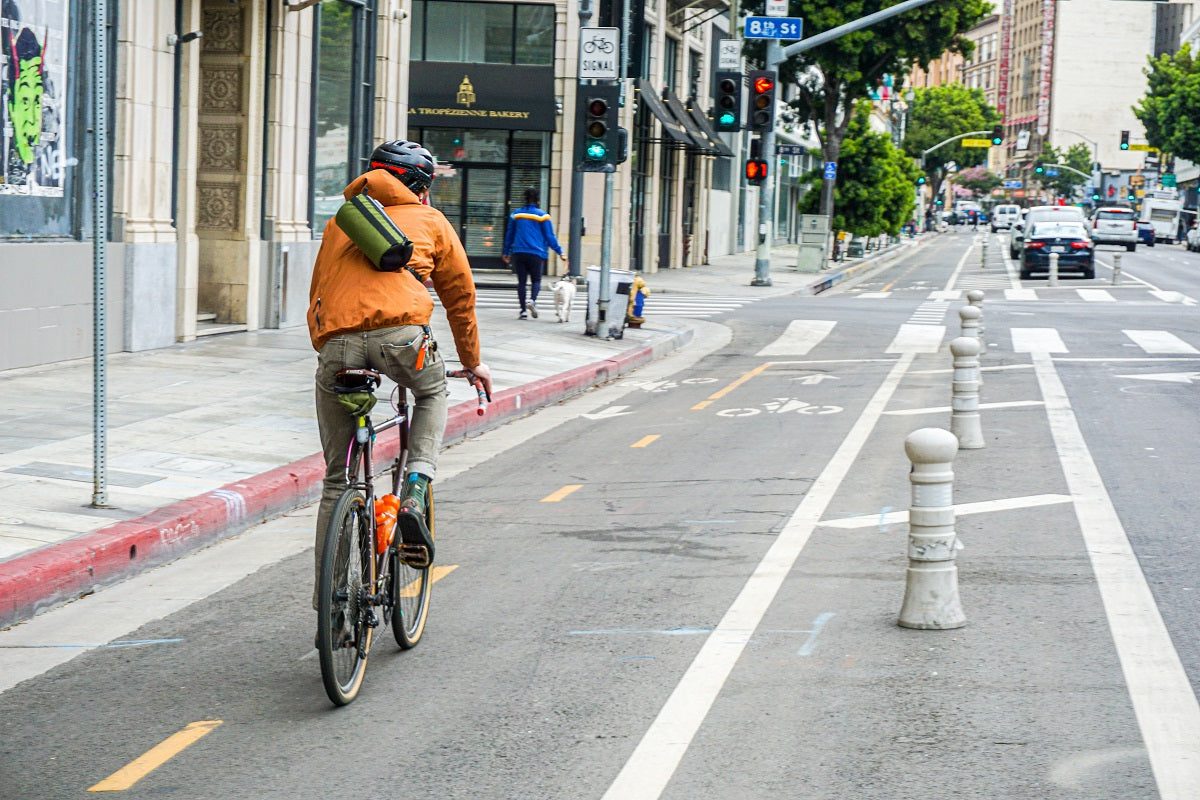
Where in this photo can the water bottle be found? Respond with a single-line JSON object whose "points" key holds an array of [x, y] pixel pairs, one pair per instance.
{"points": [[386, 509]]}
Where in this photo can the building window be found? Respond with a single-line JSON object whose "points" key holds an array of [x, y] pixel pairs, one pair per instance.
{"points": [[670, 62], [343, 68], [483, 33]]}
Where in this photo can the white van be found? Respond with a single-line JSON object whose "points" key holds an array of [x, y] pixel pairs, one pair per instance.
{"points": [[1004, 216]]}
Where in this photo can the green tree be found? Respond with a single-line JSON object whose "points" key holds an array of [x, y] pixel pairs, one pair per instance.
{"points": [[976, 180], [937, 114], [1077, 156], [833, 77], [1170, 109], [876, 182]]}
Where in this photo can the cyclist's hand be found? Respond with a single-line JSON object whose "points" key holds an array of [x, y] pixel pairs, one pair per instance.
{"points": [[484, 375]]}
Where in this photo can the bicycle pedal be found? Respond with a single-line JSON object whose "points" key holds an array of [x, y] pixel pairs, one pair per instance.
{"points": [[415, 555]]}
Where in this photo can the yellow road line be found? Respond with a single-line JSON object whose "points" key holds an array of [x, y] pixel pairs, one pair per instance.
{"points": [[561, 493], [718, 395], [160, 754], [437, 572], [645, 440]]}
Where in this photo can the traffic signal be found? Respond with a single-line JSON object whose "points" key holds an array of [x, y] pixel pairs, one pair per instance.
{"points": [[597, 142], [1131, 196], [997, 134], [762, 100], [1095, 196], [1039, 168], [921, 181], [1124, 140], [756, 171], [728, 110]]}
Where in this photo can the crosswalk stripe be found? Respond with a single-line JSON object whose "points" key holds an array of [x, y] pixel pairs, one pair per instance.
{"points": [[801, 336], [918, 339], [1020, 294], [1037, 340], [1160, 342], [1096, 295], [876, 295]]}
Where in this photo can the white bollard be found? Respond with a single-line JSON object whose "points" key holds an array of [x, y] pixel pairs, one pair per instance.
{"points": [[969, 317], [931, 583], [1053, 279], [975, 298], [1116, 269], [964, 401], [983, 253]]}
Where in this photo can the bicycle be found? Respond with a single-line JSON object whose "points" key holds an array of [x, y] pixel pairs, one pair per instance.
{"points": [[362, 567]]}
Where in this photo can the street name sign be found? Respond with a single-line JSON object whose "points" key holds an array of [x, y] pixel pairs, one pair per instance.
{"points": [[790, 149], [976, 142], [1013, 185], [1143, 147], [774, 28], [1052, 173], [599, 54]]}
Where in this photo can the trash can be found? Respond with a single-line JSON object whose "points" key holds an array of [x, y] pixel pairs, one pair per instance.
{"points": [[619, 281]]}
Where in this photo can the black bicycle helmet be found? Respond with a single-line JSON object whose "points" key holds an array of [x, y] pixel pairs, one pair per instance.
{"points": [[411, 163]]}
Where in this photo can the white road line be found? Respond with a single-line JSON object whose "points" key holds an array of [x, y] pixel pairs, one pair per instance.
{"points": [[1173, 297], [801, 336], [1163, 700], [918, 339], [1037, 340], [946, 294], [962, 509], [1096, 295], [1020, 294], [907, 412], [875, 295], [958, 269], [656, 757], [1160, 342]]}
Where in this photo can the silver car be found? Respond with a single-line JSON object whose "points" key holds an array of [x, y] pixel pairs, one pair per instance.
{"points": [[1115, 225], [1016, 234]]}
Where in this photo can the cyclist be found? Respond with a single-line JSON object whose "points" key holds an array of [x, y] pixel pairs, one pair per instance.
{"points": [[361, 317]]}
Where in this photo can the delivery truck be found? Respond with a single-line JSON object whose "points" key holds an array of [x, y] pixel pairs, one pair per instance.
{"points": [[1161, 208]]}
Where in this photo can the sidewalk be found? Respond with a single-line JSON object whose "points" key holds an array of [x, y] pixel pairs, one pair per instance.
{"points": [[211, 437]]}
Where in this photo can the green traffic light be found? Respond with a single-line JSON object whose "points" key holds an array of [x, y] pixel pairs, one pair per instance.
{"points": [[1124, 145], [726, 119], [596, 151], [920, 181]]}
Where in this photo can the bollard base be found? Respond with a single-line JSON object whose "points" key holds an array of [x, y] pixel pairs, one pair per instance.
{"points": [[931, 597], [969, 430]]}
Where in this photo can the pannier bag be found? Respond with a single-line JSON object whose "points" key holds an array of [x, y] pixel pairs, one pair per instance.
{"points": [[363, 219]]}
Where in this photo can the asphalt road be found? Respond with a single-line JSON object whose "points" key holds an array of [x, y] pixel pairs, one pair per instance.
{"points": [[685, 584]]}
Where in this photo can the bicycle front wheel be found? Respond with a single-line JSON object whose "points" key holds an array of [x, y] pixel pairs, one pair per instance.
{"points": [[410, 591], [343, 605]]}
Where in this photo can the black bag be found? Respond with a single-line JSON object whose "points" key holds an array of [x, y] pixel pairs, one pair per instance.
{"points": [[363, 219]]}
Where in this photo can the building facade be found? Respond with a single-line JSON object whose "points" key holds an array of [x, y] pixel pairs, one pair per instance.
{"points": [[236, 124]]}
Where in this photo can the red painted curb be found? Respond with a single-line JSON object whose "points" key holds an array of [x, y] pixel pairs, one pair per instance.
{"points": [[76, 567]]}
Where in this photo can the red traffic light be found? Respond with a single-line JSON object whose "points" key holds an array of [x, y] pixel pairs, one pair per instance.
{"points": [[598, 108], [763, 84]]}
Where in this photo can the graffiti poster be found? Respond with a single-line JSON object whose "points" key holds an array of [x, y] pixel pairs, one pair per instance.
{"points": [[33, 91]]}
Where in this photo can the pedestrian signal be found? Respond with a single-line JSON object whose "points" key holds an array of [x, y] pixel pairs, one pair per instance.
{"points": [[756, 171], [762, 100]]}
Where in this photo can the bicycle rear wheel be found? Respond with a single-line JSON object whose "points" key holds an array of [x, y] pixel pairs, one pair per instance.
{"points": [[410, 591], [347, 575]]}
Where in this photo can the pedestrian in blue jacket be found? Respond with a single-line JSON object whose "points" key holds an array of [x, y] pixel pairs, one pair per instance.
{"points": [[527, 243]]}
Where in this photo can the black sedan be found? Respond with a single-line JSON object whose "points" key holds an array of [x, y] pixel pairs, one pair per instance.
{"points": [[1069, 239]]}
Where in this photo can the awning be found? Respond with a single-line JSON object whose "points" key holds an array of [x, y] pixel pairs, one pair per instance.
{"points": [[699, 140], [672, 127], [722, 149]]}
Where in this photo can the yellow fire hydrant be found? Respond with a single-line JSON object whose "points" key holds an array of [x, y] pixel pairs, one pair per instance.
{"points": [[637, 300]]}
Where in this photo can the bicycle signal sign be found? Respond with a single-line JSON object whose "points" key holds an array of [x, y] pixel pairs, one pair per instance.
{"points": [[599, 54]]}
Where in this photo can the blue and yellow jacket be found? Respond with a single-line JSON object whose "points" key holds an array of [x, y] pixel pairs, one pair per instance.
{"points": [[530, 231]]}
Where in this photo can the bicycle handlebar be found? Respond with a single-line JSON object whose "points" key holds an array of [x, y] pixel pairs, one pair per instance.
{"points": [[471, 379]]}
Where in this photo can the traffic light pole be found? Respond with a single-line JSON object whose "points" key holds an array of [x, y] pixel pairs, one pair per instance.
{"points": [[766, 195], [575, 229]]}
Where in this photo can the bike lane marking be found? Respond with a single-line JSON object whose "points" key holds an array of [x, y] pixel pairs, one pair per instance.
{"points": [[559, 494], [1163, 700], [161, 753], [656, 757], [722, 392], [646, 441]]}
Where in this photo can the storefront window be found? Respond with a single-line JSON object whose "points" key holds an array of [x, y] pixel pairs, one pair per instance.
{"points": [[341, 112], [483, 33]]}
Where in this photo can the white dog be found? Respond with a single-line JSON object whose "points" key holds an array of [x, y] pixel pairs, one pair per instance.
{"points": [[564, 296]]}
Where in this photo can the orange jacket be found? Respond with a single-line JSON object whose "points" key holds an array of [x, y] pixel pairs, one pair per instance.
{"points": [[348, 294]]}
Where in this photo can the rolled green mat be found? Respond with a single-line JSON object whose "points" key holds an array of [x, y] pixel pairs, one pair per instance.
{"points": [[363, 219]]}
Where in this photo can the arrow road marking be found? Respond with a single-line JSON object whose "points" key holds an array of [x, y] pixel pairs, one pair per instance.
{"points": [[812, 380], [608, 413]]}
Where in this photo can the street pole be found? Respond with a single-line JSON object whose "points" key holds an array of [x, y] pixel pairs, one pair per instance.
{"points": [[766, 196], [575, 242], [100, 256]]}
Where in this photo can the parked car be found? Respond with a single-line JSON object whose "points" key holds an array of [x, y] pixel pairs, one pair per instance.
{"points": [[1003, 216], [1066, 237], [1146, 233], [1115, 225], [1016, 236], [1192, 240]]}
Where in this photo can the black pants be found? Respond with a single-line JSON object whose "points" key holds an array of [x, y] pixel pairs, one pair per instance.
{"points": [[528, 266]]}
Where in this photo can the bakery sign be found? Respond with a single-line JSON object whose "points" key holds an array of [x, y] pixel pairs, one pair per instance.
{"points": [[454, 95]]}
